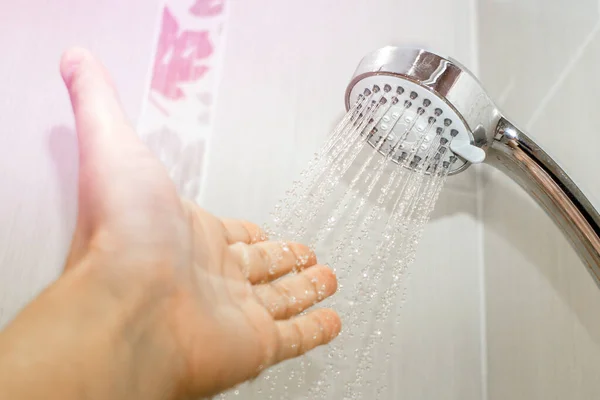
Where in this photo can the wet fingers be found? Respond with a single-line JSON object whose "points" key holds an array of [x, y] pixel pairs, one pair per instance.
{"points": [[243, 231], [267, 261], [295, 293], [301, 334]]}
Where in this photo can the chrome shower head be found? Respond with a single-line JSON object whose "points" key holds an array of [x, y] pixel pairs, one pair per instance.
{"points": [[452, 102], [484, 134]]}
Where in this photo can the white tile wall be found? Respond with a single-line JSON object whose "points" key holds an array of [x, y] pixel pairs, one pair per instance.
{"points": [[286, 67], [540, 59]]}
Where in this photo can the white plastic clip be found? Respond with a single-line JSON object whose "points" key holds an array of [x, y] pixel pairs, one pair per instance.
{"points": [[466, 150]]}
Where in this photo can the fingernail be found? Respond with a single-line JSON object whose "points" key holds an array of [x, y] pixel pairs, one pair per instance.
{"points": [[68, 71], [70, 62]]}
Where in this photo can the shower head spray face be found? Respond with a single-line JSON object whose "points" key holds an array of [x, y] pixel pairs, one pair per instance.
{"points": [[423, 100]]}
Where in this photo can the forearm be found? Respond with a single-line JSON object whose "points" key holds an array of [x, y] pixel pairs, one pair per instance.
{"points": [[71, 344]]}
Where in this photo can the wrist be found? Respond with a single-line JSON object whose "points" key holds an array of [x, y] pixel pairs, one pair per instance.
{"points": [[78, 341]]}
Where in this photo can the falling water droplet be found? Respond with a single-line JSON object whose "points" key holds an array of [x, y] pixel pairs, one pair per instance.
{"points": [[367, 231]]}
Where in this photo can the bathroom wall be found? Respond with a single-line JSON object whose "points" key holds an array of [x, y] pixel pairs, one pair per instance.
{"points": [[539, 59], [285, 69], [38, 157], [282, 78]]}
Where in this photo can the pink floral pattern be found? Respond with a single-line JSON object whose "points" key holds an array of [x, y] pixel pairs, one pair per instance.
{"points": [[207, 8], [179, 57], [177, 122]]}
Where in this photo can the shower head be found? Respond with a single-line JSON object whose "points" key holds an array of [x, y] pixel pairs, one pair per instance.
{"points": [[451, 98], [446, 94]]}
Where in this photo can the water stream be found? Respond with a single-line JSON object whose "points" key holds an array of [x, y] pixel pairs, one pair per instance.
{"points": [[362, 204]]}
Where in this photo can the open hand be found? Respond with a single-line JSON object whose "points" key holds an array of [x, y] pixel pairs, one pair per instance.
{"points": [[159, 299]]}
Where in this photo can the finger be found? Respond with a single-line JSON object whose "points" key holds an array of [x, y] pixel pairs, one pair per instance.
{"points": [[112, 156], [121, 184], [102, 128], [295, 293], [301, 334], [84, 75], [243, 231], [266, 261]]}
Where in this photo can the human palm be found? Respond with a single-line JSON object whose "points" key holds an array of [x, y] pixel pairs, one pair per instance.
{"points": [[241, 289]]}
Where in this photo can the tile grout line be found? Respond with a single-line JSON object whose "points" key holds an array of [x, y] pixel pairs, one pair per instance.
{"points": [[482, 292], [483, 355], [562, 77]]}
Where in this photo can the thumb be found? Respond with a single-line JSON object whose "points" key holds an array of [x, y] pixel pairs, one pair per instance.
{"points": [[122, 186]]}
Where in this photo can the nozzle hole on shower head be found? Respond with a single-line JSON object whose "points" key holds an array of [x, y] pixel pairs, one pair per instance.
{"points": [[419, 117]]}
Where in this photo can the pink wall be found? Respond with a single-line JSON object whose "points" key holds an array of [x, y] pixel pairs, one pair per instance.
{"points": [[164, 59], [38, 159]]}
